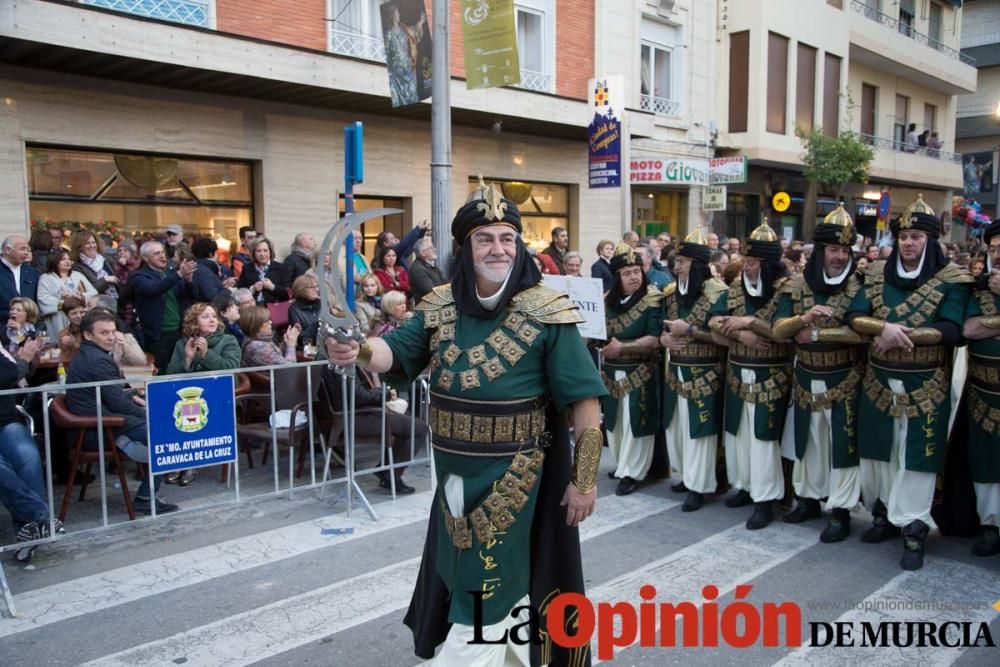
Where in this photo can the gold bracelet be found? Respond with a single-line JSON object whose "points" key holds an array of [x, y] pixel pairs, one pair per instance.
{"points": [[842, 335], [925, 336], [787, 327], [990, 321], [868, 325], [587, 458], [364, 354]]}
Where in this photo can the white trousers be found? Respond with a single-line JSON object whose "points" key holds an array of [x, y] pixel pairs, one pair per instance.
{"points": [[633, 454], [907, 494], [753, 465], [693, 458], [814, 475], [456, 651], [988, 504]]}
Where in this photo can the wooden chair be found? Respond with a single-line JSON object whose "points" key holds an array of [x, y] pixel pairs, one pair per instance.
{"points": [[290, 393], [243, 388], [65, 419]]}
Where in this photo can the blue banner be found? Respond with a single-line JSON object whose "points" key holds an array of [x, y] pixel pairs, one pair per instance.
{"points": [[192, 423], [605, 135]]}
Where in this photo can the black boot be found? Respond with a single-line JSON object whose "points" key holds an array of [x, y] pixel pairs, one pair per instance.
{"points": [[626, 486], [838, 528], [611, 474], [914, 535], [988, 543], [807, 508], [762, 515], [679, 487], [740, 499], [693, 502], [881, 529]]}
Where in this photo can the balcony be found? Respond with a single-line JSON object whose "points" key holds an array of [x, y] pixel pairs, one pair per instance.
{"points": [[187, 12], [882, 143], [537, 81], [896, 161], [357, 45], [660, 106], [908, 31]]}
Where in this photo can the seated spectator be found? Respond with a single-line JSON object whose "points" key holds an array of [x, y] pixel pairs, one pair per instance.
{"points": [[244, 297], [228, 310], [265, 277], [368, 306], [93, 363], [304, 311], [74, 308], [300, 259], [424, 274], [209, 278], [390, 274], [88, 257], [17, 276], [22, 485], [258, 346], [572, 262], [21, 322], [58, 282], [394, 312], [127, 352], [602, 267]]}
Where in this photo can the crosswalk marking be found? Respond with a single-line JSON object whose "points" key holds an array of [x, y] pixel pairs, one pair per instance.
{"points": [[281, 626]]}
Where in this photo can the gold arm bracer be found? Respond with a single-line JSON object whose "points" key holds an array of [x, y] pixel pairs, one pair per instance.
{"points": [[869, 326], [787, 327], [762, 329], [716, 327], [990, 321], [842, 335], [925, 336], [587, 458], [704, 336], [364, 354]]}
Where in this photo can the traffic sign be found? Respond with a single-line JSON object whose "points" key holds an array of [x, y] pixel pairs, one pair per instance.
{"points": [[781, 201]]}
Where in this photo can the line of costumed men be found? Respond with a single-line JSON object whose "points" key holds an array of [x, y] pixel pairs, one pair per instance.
{"points": [[777, 363]]}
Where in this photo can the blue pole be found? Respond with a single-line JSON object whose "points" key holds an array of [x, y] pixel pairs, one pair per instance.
{"points": [[353, 173]]}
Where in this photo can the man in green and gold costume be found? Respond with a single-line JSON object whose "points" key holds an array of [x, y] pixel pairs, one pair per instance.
{"points": [[982, 328], [913, 307], [507, 363], [692, 393], [828, 374], [634, 313], [758, 380]]}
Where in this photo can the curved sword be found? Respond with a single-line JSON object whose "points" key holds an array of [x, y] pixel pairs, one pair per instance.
{"points": [[335, 318]]}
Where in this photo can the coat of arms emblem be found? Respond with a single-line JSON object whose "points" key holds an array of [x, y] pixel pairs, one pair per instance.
{"points": [[191, 412]]}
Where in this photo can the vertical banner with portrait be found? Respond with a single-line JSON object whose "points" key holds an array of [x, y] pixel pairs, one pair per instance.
{"points": [[490, 43], [604, 132], [407, 36], [977, 173]]}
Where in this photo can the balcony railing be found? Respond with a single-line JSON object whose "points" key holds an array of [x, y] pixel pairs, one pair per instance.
{"points": [[188, 12], [883, 143], [661, 106], [539, 81], [894, 24], [357, 45]]}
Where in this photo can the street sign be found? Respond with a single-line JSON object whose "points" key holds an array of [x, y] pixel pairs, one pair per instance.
{"points": [[781, 201], [884, 206], [713, 198], [192, 423]]}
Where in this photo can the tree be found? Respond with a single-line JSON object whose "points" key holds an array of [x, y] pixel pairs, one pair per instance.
{"points": [[831, 163]]}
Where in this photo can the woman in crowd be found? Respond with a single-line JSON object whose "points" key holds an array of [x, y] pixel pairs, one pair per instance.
{"points": [[58, 282], [390, 274], [258, 347], [368, 307], [228, 310], [601, 268], [265, 277], [394, 311], [88, 259], [41, 245], [22, 321], [73, 307], [127, 262], [304, 311]]}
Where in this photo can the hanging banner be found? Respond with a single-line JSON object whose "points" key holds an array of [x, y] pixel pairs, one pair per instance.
{"points": [[728, 170], [713, 198], [490, 43], [407, 38], [670, 171], [604, 132], [884, 207]]}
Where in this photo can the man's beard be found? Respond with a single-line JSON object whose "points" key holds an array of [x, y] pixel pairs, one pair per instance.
{"points": [[493, 275]]}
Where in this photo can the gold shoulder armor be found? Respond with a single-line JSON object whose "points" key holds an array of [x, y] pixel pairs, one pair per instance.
{"points": [[546, 306], [782, 284], [793, 284], [953, 273], [437, 298], [853, 285], [713, 287], [670, 289], [653, 295]]}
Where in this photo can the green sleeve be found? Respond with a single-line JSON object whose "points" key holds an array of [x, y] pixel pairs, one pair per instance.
{"points": [[860, 305], [410, 345], [570, 371], [654, 322], [176, 364], [720, 307], [973, 309], [784, 307], [955, 302]]}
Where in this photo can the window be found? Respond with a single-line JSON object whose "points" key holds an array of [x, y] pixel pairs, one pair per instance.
{"points": [[188, 12], [930, 117], [138, 194], [869, 110], [543, 207], [900, 119], [934, 25], [907, 13], [805, 87], [872, 8], [535, 39], [739, 80], [831, 95], [777, 82], [839, 4], [656, 81], [356, 28]]}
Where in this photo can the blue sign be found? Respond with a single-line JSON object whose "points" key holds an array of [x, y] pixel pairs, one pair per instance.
{"points": [[884, 205], [605, 152], [192, 423]]}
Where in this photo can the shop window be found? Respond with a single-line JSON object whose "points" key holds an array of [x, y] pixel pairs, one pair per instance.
{"points": [[135, 194], [543, 207]]}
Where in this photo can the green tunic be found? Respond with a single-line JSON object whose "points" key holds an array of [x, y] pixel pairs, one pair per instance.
{"points": [[531, 349], [944, 297], [705, 392], [984, 394], [641, 385], [773, 379], [797, 298]]}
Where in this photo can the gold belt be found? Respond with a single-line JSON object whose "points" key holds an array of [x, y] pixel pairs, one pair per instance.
{"points": [[497, 511], [988, 418], [631, 382], [486, 429], [642, 354], [778, 353], [700, 386], [825, 400], [814, 359], [985, 375], [924, 400], [772, 389], [926, 356]]}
